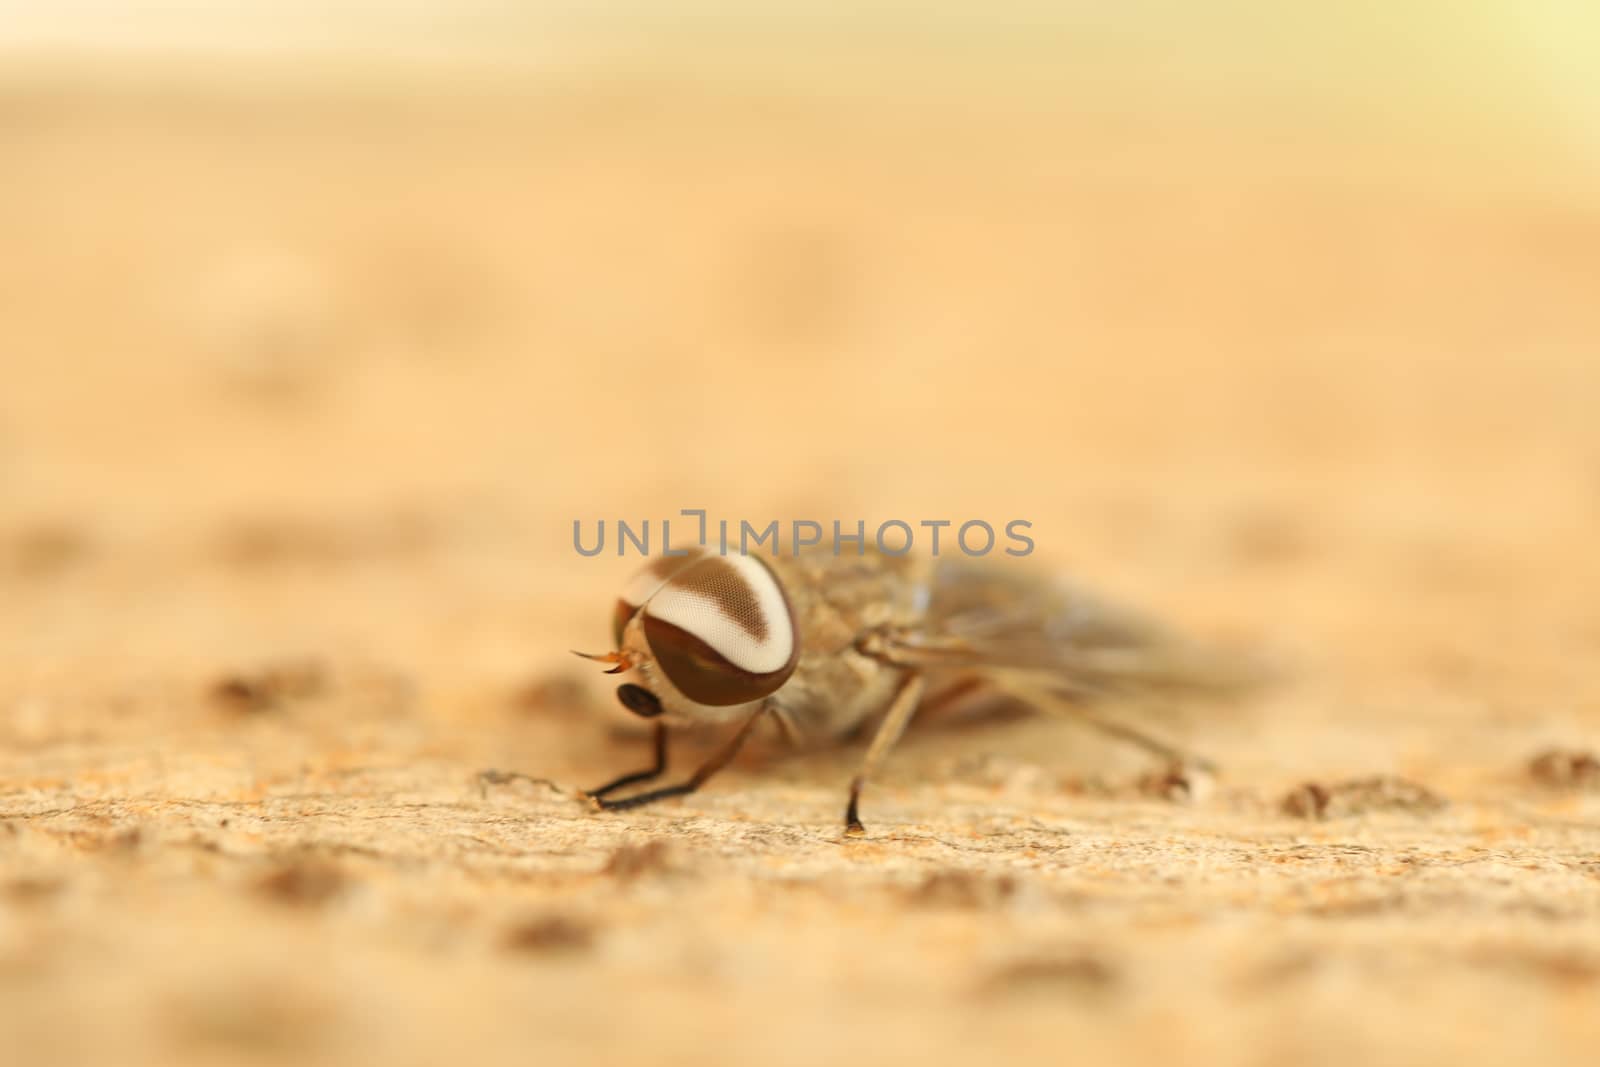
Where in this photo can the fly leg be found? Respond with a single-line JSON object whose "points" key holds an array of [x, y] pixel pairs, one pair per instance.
{"points": [[720, 759], [1047, 698], [901, 708], [1139, 739], [646, 775]]}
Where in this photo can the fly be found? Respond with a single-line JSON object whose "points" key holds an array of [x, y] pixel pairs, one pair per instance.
{"points": [[823, 644]]}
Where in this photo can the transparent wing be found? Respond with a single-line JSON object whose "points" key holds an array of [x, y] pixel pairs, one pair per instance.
{"points": [[1034, 635], [1057, 648]]}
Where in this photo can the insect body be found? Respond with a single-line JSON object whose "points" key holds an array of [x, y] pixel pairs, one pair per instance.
{"points": [[824, 643]]}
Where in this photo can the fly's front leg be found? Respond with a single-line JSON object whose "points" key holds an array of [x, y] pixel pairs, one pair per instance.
{"points": [[649, 774], [901, 708], [720, 759]]}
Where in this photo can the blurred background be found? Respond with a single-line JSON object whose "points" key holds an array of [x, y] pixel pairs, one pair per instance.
{"points": [[411, 287], [320, 323]]}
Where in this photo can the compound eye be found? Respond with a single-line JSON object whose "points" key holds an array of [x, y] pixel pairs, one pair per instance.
{"points": [[642, 586], [639, 700], [722, 631]]}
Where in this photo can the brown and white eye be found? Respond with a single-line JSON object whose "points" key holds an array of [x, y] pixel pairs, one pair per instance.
{"points": [[642, 586], [722, 630]]}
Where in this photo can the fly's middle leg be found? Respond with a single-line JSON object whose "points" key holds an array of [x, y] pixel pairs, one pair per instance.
{"points": [[901, 708]]}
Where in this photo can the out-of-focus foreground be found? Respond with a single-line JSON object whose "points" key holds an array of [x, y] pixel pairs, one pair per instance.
{"points": [[317, 333]]}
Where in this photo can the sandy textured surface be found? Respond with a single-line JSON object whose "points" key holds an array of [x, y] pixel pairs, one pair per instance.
{"points": [[303, 390]]}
